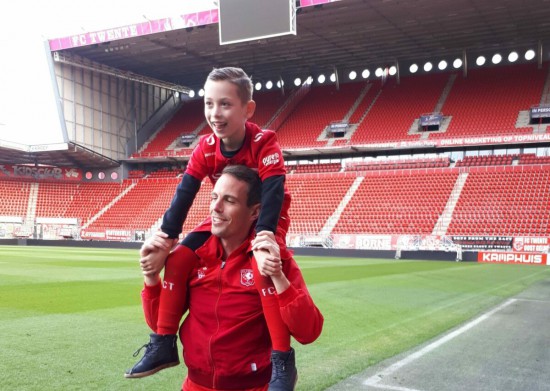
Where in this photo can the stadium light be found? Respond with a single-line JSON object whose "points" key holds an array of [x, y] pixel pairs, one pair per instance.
{"points": [[497, 58], [192, 93], [393, 70], [352, 75], [297, 81], [442, 65], [333, 77], [258, 86], [379, 72], [529, 54], [413, 68], [269, 85], [280, 83], [365, 74], [512, 57], [321, 78], [428, 66], [201, 92], [309, 80], [480, 61], [457, 63]]}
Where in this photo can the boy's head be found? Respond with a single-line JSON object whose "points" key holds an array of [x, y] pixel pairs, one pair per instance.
{"points": [[236, 76], [228, 105]]}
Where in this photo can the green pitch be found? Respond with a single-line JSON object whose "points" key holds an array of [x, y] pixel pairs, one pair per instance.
{"points": [[70, 319]]}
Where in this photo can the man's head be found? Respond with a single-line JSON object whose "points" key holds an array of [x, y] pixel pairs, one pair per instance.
{"points": [[228, 104], [235, 203]]}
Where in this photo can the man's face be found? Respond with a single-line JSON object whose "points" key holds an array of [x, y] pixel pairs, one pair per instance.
{"points": [[225, 112], [231, 217]]}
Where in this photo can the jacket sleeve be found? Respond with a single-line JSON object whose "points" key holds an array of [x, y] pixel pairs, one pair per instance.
{"points": [[176, 214], [273, 192], [150, 297], [299, 312]]}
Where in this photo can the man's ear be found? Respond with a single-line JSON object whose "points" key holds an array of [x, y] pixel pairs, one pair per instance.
{"points": [[250, 109], [255, 212]]}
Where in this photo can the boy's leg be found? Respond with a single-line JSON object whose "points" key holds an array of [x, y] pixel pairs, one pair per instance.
{"points": [[161, 352], [284, 374]]}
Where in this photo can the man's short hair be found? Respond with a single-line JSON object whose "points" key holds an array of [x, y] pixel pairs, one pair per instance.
{"points": [[236, 76], [251, 177]]}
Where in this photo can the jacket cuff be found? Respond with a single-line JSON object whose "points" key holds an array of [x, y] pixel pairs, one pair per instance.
{"points": [[151, 291], [288, 296]]}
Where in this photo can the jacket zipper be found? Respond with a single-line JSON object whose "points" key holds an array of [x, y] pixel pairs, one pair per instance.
{"points": [[218, 324]]}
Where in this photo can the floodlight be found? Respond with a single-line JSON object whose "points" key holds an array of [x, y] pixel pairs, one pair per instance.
{"points": [[309, 80], [413, 68], [497, 58], [379, 72], [529, 54], [512, 57], [321, 79], [457, 63], [258, 86], [201, 92], [442, 65], [297, 81], [192, 93], [480, 60], [365, 74], [352, 75], [333, 77], [393, 70], [269, 85], [428, 66]]}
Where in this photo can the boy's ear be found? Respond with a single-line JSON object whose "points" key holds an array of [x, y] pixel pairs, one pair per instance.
{"points": [[250, 108]]}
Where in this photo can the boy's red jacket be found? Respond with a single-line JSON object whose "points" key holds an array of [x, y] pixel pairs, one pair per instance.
{"points": [[225, 338]]}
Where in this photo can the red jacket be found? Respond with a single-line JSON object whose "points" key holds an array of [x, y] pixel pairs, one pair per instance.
{"points": [[225, 338]]}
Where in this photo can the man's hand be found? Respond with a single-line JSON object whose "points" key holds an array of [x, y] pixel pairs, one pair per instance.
{"points": [[160, 241], [153, 253], [267, 254]]}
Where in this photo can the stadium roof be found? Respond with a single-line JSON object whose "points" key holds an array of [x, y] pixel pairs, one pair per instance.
{"points": [[343, 35], [347, 34]]}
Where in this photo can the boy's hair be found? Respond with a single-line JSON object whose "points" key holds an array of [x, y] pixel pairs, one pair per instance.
{"points": [[251, 177], [236, 76]]}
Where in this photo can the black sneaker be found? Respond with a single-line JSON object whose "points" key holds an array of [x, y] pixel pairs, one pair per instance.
{"points": [[161, 352], [284, 374]]}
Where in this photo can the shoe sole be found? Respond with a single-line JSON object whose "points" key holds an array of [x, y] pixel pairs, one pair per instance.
{"points": [[151, 372]]}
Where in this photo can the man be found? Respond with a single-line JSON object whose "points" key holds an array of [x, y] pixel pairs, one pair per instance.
{"points": [[225, 338]]}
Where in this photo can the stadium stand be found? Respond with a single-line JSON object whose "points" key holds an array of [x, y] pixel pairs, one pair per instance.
{"points": [[507, 202], [398, 105], [321, 106], [490, 160], [312, 168], [489, 100], [14, 198], [397, 202]]}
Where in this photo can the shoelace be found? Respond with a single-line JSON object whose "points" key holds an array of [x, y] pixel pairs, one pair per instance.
{"points": [[146, 346], [280, 367]]}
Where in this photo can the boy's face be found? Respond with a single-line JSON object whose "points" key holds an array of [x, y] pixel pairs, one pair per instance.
{"points": [[226, 113]]}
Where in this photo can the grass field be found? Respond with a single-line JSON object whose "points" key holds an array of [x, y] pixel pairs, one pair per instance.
{"points": [[70, 319]]}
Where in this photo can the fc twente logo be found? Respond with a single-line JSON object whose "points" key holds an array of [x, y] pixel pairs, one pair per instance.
{"points": [[247, 277]]}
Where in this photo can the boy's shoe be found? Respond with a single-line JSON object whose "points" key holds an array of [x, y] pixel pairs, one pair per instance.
{"points": [[284, 374], [161, 352]]}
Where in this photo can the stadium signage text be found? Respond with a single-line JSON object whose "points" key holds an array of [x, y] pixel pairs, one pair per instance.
{"points": [[521, 258], [40, 172]]}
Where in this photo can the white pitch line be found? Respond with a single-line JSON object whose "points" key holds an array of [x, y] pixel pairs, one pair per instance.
{"points": [[373, 380]]}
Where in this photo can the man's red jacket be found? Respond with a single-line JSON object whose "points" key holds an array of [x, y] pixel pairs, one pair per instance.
{"points": [[225, 337]]}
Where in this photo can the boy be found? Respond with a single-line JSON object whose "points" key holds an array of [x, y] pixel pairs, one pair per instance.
{"points": [[228, 106]]}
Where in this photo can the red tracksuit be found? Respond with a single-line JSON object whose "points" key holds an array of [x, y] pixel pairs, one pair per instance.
{"points": [[225, 338]]}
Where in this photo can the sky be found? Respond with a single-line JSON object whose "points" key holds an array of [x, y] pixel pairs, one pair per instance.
{"points": [[28, 113]]}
